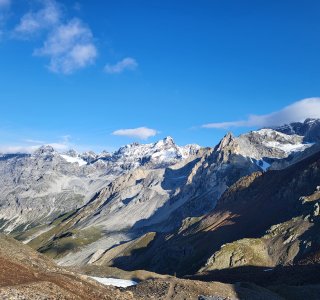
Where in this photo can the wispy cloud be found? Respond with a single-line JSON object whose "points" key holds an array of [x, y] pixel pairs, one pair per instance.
{"points": [[69, 43], [35, 21], [142, 133], [7, 149], [298, 111], [30, 145], [69, 47], [31, 141], [127, 63]]}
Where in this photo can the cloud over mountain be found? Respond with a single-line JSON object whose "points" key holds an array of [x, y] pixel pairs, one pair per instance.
{"points": [[298, 111]]}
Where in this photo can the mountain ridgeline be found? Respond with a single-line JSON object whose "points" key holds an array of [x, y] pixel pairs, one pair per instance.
{"points": [[250, 201]]}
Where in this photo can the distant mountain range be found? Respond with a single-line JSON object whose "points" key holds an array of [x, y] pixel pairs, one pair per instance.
{"points": [[252, 200]]}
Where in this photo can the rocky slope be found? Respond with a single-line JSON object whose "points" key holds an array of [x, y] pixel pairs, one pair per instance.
{"points": [[309, 129], [264, 220], [37, 188], [76, 207], [26, 274]]}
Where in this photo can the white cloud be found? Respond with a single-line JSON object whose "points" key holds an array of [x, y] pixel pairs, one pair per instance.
{"points": [[296, 112], [35, 21], [59, 146], [70, 47], [30, 145], [127, 63], [142, 133], [69, 44], [8, 149]]}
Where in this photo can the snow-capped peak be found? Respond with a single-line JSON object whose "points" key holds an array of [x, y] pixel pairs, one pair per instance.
{"points": [[161, 153], [72, 153], [44, 150], [284, 142], [311, 121], [105, 153], [273, 135], [273, 139], [264, 145], [309, 129], [166, 141]]}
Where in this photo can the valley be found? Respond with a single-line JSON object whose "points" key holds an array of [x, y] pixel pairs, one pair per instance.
{"points": [[171, 217]]}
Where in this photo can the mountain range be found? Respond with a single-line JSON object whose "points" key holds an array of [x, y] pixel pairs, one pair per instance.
{"points": [[245, 208]]}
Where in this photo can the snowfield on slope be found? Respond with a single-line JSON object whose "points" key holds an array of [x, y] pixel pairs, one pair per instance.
{"points": [[115, 282], [288, 148], [71, 159]]}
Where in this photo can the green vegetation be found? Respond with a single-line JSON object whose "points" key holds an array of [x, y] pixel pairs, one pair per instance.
{"points": [[69, 241], [62, 218], [25, 235], [243, 252]]}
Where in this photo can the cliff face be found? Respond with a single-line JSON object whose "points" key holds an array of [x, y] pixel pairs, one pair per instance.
{"points": [[264, 219]]}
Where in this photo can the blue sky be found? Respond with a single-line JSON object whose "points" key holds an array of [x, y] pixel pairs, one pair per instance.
{"points": [[80, 73]]}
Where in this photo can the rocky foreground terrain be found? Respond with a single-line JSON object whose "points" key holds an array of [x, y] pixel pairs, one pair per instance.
{"points": [[244, 211], [26, 274]]}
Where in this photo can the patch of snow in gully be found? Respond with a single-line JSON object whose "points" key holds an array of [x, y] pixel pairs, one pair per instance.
{"points": [[115, 282]]}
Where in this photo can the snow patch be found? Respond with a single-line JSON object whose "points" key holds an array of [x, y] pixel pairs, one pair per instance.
{"points": [[288, 148], [263, 165], [71, 159], [115, 282]]}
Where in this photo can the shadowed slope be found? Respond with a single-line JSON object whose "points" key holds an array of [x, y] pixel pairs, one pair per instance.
{"points": [[255, 204]]}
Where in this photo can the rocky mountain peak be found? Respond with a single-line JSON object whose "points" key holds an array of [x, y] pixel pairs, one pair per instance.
{"points": [[105, 155], [309, 129], [89, 156], [168, 140], [44, 150], [89, 153], [227, 140], [72, 153], [311, 121]]}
